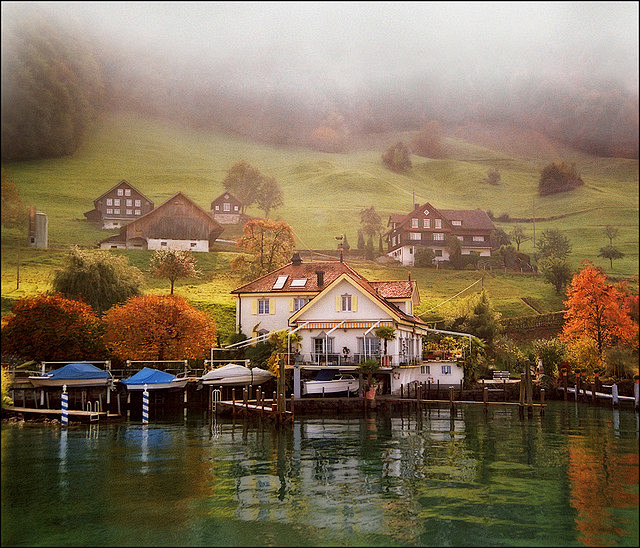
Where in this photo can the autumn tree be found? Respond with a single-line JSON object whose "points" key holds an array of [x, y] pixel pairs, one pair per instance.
{"points": [[596, 311], [270, 245], [53, 328], [397, 157], [100, 279], [173, 264], [428, 141], [331, 135], [558, 177], [155, 327]]}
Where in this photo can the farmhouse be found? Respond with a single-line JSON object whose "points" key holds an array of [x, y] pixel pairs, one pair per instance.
{"points": [[227, 209], [428, 227], [179, 223], [336, 312], [118, 206]]}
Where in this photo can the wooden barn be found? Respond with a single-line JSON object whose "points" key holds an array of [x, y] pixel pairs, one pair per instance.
{"points": [[179, 223]]}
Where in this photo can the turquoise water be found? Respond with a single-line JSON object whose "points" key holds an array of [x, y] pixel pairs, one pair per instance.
{"points": [[569, 478]]}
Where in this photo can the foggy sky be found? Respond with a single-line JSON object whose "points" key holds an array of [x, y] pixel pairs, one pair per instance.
{"points": [[345, 45]]}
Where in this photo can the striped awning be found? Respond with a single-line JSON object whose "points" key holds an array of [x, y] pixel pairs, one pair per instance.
{"points": [[346, 325]]}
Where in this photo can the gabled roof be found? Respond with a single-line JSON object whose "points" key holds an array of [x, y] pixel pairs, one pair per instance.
{"points": [[180, 195], [222, 198], [401, 289], [308, 271], [95, 202], [475, 219]]}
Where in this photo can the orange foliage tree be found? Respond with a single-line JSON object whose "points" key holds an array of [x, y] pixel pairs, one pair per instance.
{"points": [[53, 328], [158, 328], [271, 244], [596, 310]]}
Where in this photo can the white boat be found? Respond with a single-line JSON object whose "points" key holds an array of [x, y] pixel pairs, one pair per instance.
{"points": [[331, 381], [154, 379], [234, 374], [73, 375]]}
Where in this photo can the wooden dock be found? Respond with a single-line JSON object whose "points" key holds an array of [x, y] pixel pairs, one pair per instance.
{"points": [[255, 408], [85, 416]]}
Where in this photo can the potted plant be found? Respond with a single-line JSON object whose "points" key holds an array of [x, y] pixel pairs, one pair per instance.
{"points": [[387, 334], [369, 367]]}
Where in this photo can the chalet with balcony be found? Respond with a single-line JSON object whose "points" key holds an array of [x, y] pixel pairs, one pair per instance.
{"points": [[179, 223], [118, 206], [336, 312], [227, 209], [428, 227]]}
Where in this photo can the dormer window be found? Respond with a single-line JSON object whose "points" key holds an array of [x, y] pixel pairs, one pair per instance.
{"points": [[456, 223]]}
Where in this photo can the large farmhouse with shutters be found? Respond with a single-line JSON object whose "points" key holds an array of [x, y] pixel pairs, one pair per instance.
{"points": [[336, 312], [428, 227], [179, 223], [118, 206]]}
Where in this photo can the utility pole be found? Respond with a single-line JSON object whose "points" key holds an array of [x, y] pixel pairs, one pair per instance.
{"points": [[534, 222]]}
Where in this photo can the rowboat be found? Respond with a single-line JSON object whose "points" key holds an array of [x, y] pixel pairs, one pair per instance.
{"points": [[76, 374], [154, 379], [234, 374]]}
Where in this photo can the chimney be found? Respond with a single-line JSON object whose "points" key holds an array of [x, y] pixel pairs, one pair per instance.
{"points": [[296, 260], [320, 274]]}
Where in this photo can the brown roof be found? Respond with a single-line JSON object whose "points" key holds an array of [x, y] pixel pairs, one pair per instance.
{"points": [[471, 218], [332, 270], [394, 290]]}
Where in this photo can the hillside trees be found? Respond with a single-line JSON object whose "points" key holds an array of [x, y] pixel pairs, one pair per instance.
{"points": [[100, 279], [397, 158], [554, 249], [558, 177], [610, 251], [53, 328], [596, 311], [331, 135], [52, 87], [428, 141], [250, 186], [370, 221], [173, 264], [518, 235], [156, 327], [270, 244], [14, 211]]}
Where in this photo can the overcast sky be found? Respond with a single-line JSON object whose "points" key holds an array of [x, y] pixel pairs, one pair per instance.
{"points": [[346, 44]]}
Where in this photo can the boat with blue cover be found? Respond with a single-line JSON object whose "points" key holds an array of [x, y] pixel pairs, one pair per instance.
{"points": [[76, 374], [154, 379]]}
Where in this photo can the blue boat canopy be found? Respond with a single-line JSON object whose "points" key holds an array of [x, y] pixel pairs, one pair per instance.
{"points": [[147, 375], [79, 371], [326, 374]]}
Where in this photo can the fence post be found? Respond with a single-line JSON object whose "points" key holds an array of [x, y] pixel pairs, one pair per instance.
{"points": [[485, 398], [145, 405], [614, 394], [65, 406]]}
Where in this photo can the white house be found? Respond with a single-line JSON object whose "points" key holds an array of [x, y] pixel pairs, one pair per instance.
{"points": [[336, 311]]}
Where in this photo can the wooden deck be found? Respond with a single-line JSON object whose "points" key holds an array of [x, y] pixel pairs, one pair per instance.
{"points": [[57, 413]]}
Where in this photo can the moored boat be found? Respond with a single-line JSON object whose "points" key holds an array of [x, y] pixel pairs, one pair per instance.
{"points": [[330, 381], [234, 374], [77, 374], [154, 379]]}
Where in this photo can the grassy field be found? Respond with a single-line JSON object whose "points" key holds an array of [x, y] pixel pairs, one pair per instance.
{"points": [[323, 196]]}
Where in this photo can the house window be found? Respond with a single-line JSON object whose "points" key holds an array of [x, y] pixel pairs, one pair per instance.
{"points": [[129, 203], [109, 211], [109, 201], [461, 238], [263, 306], [119, 192], [226, 206], [217, 208], [478, 238], [438, 223], [456, 223], [114, 247], [235, 208], [129, 212], [163, 244], [116, 212], [323, 344], [138, 203], [127, 192], [446, 369], [425, 370], [426, 223], [415, 236], [438, 252], [369, 346], [299, 302], [438, 236], [345, 303], [414, 223], [116, 202], [138, 212]]}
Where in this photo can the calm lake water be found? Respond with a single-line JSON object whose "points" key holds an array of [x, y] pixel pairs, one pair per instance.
{"points": [[569, 478]]}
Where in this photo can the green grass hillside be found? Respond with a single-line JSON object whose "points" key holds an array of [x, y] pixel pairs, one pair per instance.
{"points": [[323, 195]]}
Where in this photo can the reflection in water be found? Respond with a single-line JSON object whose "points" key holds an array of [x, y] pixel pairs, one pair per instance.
{"points": [[428, 478]]}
